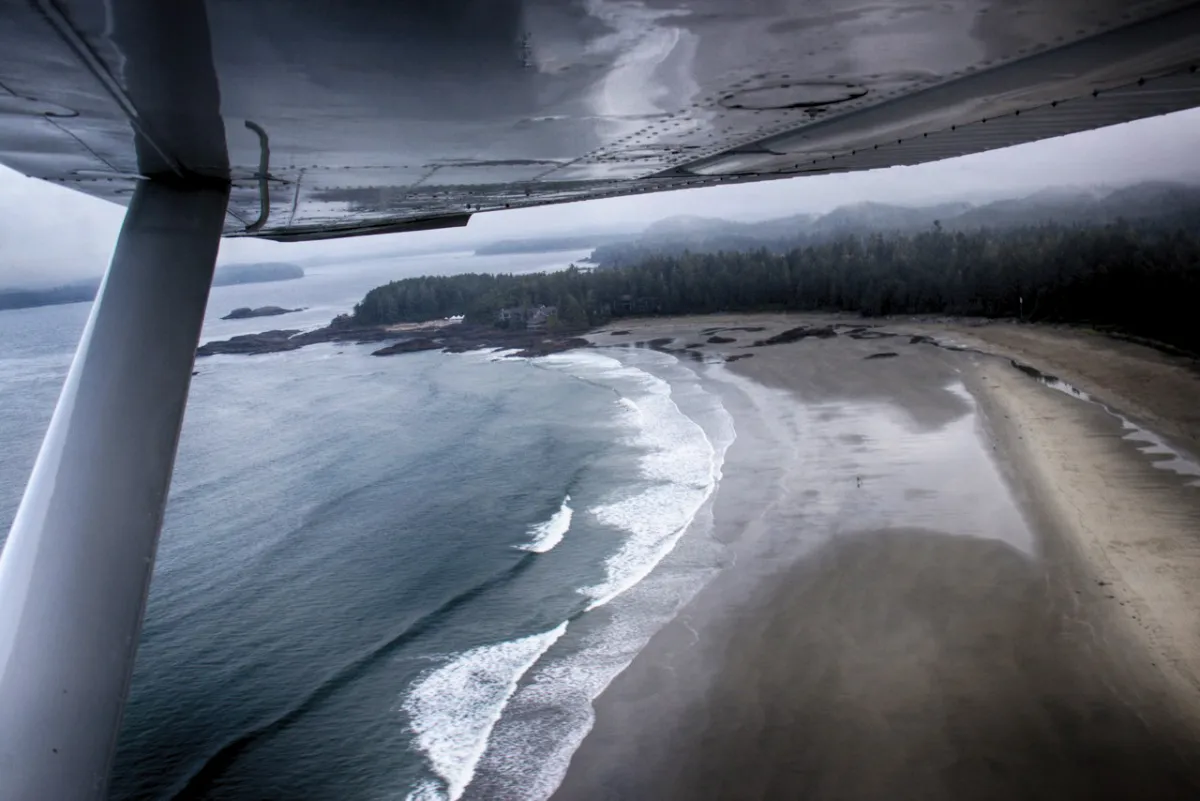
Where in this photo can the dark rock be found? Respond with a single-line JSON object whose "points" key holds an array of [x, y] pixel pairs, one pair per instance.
{"points": [[617, 333], [245, 312], [749, 328], [253, 344], [549, 347], [1033, 372], [456, 338], [739, 356], [868, 333], [715, 340], [917, 339], [693, 345], [797, 334], [409, 346], [884, 355], [660, 343]]}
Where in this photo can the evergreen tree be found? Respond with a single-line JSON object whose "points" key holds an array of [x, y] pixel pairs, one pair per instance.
{"points": [[1140, 280]]}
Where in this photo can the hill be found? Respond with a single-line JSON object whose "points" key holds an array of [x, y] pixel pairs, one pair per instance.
{"points": [[85, 290], [1157, 204]]}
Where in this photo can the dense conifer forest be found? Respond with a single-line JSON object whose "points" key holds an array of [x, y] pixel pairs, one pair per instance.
{"points": [[1136, 278]]}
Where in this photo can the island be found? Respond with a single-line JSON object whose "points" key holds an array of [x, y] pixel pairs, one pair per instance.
{"points": [[245, 312], [252, 344]]}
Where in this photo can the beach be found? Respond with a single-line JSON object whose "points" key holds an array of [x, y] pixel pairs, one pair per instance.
{"points": [[961, 562]]}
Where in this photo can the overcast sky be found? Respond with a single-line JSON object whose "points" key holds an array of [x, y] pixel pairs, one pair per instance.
{"points": [[51, 234]]}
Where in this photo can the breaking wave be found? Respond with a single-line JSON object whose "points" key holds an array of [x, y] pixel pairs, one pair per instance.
{"points": [[545, 536], [454, 708]]}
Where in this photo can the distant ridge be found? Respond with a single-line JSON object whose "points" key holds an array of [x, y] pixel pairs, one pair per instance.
{"points": [[85, 290], [1159, 202]]}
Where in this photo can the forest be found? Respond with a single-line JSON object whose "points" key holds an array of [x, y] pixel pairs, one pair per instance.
{"points": [[1137, 279]]}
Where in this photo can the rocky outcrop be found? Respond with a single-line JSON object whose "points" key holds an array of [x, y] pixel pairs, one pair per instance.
{"points": [[408, 346], [245, 312], [547, 347], [457, 338], [797, 334], [252, 344]]}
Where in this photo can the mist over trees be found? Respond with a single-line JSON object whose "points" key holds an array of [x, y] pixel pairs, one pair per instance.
{"points": [[1125, 259]]}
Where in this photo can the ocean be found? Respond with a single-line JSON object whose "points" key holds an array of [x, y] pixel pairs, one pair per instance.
{"points": [[394, 578]]}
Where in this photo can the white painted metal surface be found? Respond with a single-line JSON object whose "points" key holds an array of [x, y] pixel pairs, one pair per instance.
{"points": [[76, 568]]}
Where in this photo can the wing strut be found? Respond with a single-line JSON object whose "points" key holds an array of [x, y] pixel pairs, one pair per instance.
{"points": [[76, 568]]}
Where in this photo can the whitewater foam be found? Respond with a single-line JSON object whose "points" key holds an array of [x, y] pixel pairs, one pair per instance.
{"points": [[426, 791], [678, 461], [545, 536], [680, 467], [454, 708]]}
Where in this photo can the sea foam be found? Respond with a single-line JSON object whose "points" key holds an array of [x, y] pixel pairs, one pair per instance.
{"points": [[520, 741], [545, 536], [678, 470], [454, 708], [679, 464]]}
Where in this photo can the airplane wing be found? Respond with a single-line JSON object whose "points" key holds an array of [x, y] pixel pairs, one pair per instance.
{"points": [[320, 119], [369, 116]]}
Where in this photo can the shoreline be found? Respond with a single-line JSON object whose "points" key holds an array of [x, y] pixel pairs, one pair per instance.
{"points": [[658, 564], [1127, 529], [1012, 629], [1013, 648], [452, 338]]}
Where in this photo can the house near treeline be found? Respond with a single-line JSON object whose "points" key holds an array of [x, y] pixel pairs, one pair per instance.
{"points": [[534, 317]]}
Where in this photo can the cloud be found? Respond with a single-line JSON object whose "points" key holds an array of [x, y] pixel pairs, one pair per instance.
{"points": [[52, 234]]}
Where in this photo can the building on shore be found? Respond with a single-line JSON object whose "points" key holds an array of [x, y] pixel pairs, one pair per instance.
{"points": [[541, 316], [534, 317]]}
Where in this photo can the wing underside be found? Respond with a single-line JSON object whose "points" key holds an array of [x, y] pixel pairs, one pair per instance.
{"points": [[375, 117]]}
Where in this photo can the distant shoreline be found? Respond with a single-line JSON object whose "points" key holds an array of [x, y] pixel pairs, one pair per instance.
{"points": [[85, 291]]}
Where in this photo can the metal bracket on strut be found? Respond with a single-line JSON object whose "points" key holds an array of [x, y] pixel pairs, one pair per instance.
{"points": [[263, 175]]}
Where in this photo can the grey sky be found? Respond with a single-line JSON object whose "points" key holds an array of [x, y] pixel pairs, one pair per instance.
{"points": [[51, 234]]}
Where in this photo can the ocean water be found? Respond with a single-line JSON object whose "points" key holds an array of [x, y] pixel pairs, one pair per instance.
{"points": [[400, 578]]}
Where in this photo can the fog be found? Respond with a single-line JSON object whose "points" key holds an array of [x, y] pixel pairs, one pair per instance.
{"points": [[52, 235]]}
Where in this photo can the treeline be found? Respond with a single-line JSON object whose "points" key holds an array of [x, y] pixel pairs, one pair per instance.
{"points": [[1143, 281], [67, 293]]}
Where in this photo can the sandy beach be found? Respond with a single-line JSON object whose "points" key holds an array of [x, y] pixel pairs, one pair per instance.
{"points": [[946, 578]]}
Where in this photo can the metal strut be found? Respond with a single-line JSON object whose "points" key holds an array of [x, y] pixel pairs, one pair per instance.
{"points": [[76, 568]]}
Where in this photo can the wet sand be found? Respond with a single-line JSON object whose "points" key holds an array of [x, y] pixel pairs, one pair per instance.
{"points": [[945, 580]]}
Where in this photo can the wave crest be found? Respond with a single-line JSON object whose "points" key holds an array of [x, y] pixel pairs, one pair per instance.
{"points": [[454, 708], [544, 536]]}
